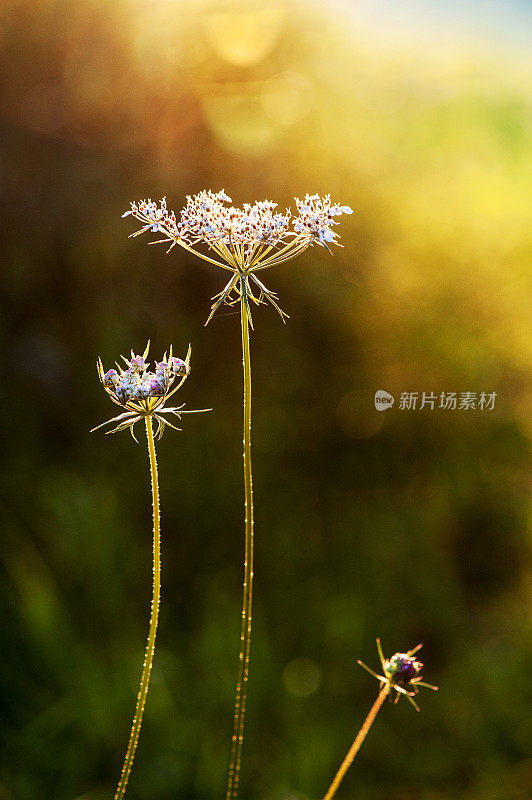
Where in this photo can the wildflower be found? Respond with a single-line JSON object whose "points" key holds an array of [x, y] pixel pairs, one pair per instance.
{"points": [[142, 393], [402, 673], [244, 240]]}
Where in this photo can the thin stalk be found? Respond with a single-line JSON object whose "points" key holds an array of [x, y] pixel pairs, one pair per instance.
{"points": [[150, 646], [355, 747], [298, 241], [245, 638]]}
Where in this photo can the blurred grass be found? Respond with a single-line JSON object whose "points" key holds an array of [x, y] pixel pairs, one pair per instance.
{"points": [[414, 526]]}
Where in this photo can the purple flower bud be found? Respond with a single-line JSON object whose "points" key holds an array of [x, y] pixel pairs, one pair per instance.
{"points": [[157, 385], [402, 668], [123, 393], [141, 391], [111, 379], [128, 382], [137, 363], [177, 366]]}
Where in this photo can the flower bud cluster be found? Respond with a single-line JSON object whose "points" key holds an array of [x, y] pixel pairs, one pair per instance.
{"points": [[208, 218], [144, 393], [402, 668], [136, 383]]}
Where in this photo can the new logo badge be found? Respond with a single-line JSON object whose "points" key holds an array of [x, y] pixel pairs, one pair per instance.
{"points": [[383, 400]]}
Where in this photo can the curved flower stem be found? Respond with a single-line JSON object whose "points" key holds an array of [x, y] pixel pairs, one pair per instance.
{"points": [[355, 747], [245, 638], [150, 646]]}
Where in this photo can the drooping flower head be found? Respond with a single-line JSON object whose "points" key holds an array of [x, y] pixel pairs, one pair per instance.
{"points": [[244, 240], [143, 392], [402, 672]]}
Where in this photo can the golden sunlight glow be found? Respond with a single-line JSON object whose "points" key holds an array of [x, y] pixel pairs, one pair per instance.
{"points": [[244, 33]]}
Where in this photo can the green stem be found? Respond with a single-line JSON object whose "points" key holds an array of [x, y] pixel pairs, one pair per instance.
{"points": [[150, 646], [245, 638], [355, 747]]}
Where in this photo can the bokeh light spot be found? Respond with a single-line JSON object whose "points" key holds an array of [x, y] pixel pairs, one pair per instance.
{"points": [[244, 33], [287, 98], [238, 121], [301, 677], [158, 41]]}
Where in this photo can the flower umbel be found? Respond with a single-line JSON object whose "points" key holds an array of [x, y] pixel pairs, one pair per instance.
{"points": [[402, 672], [243, 240], [143, 393]]}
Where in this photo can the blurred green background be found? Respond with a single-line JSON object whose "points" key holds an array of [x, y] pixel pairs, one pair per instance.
{"points": [[411, 525]]}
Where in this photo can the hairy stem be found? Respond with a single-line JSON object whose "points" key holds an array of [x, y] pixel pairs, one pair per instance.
{"points": [[245, 638], [355, 747], [150, 646]]}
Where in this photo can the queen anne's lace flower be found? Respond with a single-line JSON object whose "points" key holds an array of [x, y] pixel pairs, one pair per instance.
{"points": [[207, 217], [244, 240], [143, 393]]}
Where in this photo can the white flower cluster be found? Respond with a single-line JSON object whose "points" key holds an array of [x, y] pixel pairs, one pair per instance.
{"points": [[316, 217], [207, 217]]}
